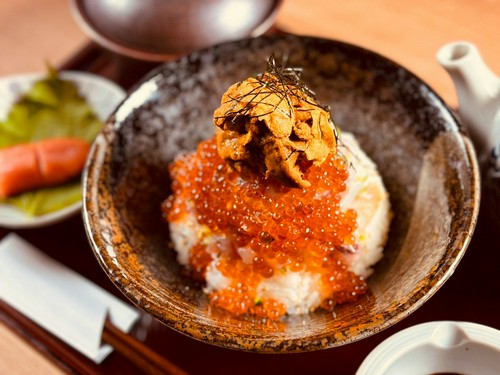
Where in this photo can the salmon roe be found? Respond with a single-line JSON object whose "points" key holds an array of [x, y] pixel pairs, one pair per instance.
{"points": [[282, 228]]}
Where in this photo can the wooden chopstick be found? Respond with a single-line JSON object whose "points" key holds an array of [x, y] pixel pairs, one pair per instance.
{"points": [[62, 355], [138, 353]]}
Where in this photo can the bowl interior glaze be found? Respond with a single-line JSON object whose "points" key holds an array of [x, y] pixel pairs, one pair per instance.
{"points": [[426, 161]]}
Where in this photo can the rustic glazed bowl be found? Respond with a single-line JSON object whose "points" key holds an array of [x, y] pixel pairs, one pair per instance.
{"points": [[426, 161]]}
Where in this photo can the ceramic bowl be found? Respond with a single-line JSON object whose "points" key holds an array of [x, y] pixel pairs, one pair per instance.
{"points": [[428, 165], [440, 347], [130, 28]]}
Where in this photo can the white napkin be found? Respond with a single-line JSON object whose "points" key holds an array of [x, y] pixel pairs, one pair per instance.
{"points": [[59, 299]]}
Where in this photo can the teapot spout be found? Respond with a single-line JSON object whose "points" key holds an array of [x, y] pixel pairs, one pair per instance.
{"points": [[477, 87]]}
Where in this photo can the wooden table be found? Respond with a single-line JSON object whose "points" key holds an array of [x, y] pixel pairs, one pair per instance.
{"points": [[33, 33]]}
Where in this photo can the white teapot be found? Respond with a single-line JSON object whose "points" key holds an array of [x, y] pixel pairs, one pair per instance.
{"points": [[478, 91]]}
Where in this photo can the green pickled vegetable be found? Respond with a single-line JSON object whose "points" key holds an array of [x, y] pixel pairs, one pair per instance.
{"points": [[44, 201]]}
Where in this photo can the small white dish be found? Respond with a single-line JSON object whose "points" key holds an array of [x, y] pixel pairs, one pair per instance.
{"points": [[103, 96], [437, 347]]}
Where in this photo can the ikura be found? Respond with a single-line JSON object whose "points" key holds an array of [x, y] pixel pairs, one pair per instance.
{"points": [[281, 228]]}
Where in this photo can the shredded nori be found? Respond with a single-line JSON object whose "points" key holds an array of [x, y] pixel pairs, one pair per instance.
{"points": [[279, 80]]}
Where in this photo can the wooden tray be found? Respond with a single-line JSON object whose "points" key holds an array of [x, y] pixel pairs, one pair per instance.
{"points": [[471, 294]]}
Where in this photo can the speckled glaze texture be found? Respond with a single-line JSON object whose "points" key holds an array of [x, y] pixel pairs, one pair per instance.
{"points": [[426, 160]]}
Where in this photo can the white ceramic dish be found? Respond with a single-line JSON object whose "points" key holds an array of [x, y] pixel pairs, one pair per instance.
{"points": [[437, 347], [102, 94]]}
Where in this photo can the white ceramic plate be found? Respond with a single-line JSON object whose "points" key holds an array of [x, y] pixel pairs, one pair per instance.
{"points": [[102, 94]]}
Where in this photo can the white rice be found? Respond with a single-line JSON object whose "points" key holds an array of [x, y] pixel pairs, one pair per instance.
{"points": [[367, 195]]}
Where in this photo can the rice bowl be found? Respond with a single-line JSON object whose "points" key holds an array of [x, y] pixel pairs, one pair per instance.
{"points": [[427, 163]]}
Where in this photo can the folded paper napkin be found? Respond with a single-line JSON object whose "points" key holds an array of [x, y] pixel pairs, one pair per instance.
{"points": [[59, 299]]}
